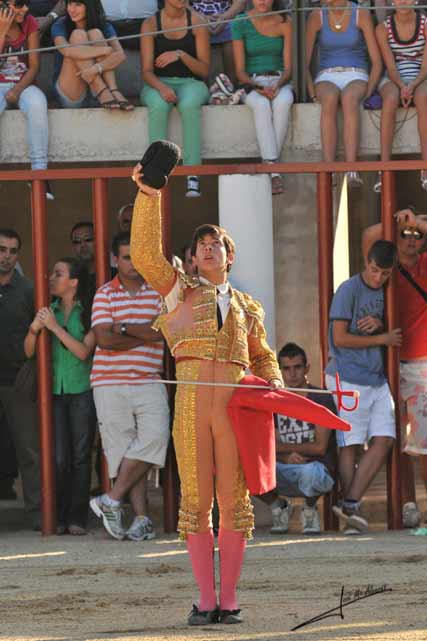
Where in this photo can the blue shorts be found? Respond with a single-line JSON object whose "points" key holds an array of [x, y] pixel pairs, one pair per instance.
{"points": [[305, 479]]}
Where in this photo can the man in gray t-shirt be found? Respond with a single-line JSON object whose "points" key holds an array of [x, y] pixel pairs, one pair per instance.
{"points": [[356, 342]]}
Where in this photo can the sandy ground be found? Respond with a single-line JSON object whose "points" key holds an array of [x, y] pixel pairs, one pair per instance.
{"points": [[90, 588]]}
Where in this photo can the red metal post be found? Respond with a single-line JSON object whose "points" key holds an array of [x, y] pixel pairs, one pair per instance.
{"points": [[170, 474], [394, 488], [102, 264], [325, 248], [44, 374]]}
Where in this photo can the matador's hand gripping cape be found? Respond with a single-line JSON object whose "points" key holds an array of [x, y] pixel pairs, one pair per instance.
{"points": [[251, 413]]}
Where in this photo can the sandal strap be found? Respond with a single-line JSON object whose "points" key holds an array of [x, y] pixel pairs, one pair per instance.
{"points": [[102, 90]]}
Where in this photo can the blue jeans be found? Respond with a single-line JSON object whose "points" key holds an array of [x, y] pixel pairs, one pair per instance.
{"points": [[305, 479], [75, 421], [33, 103]]}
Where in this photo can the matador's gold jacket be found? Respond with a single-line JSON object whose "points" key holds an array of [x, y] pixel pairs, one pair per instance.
{"points": [[191, 329]]}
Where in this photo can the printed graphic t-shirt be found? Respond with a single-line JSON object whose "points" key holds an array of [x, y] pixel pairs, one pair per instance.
{"points": [[15, 65]]}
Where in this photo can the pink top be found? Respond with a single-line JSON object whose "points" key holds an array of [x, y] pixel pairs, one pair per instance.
{"points": [[15, 66]]}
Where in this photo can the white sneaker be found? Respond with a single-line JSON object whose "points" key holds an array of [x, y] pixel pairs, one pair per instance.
{"points": [[352, 519], [353, 179], [193, 187], [281, 517], [141, 529], [411, 516], [310, 520], [378, 183], [111, 517]]}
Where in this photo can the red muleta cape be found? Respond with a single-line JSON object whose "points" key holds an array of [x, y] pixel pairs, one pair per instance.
{"points": [[251, 413]]}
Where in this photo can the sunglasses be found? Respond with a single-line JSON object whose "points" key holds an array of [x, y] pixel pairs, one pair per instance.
{"points": [[411, 233], [79, 241]]}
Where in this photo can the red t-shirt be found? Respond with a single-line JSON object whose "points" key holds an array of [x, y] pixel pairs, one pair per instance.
{"points": [[15, 66], [413, 311]]}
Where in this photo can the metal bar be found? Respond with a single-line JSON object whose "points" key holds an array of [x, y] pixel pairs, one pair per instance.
{"points": [[218, 169], [394, 498], [102, 265], [170, 475], [326, 290], [44, 374]]}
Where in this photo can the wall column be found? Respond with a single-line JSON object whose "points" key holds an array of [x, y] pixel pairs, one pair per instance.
{"points": [[246, 212]]}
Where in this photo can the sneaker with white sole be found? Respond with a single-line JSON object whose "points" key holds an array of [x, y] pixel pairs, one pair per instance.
{"points": [[281, 517], [141, 529], [310, 520], [378, 183], [411, 516], [111, 517], [193, 187], [351, 518]]}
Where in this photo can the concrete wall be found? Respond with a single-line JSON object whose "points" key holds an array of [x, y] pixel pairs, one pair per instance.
{"points": [[98, 135]]}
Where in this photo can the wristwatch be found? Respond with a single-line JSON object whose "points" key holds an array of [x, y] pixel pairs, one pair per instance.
{"points": [[53, 14], [123, 329], [179, 54]]}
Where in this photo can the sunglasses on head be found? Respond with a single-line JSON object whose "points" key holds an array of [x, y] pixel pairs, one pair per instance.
{"points": [[411, 233], [18, 4]]}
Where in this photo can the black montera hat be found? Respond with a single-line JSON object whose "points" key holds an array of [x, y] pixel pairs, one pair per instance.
{"points": [[158, 161]]}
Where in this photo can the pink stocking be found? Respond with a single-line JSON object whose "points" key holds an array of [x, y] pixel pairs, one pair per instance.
{"points": [[201, 550], [231, 550]]}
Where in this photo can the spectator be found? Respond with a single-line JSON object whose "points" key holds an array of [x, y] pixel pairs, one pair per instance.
{"points": [[133, 415], [82, 239], [89, 66], [127, 17], [306, 452], [187, 261], [73, 342], [19, 31], [124, 217], [262, 48], [220, 34], [16, 314], [402, 41], [343, 36], [412, 275], [8, 463], [173, 69], [356, 338]]}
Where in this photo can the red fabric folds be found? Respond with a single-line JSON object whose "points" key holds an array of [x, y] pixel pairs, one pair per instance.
{"points": [[251, 413]]}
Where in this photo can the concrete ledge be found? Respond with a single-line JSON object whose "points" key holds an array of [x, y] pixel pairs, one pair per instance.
{"points": [[97, 135]]}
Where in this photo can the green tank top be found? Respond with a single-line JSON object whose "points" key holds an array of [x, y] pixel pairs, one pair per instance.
{"points": [[262, 53]]}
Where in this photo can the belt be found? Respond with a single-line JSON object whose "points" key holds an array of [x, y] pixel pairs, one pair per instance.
{"points": [[267, 73], [339, 69]]}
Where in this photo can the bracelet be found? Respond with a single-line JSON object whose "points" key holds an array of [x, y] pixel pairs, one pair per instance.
{"points": [[53, 14], [99, 67]]}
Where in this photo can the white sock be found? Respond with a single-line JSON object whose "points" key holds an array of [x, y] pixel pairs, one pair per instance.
{"points": [[109, 501]]}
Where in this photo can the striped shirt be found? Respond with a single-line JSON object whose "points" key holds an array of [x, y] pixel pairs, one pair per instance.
{"points": [[114, 304], [408, 54]]}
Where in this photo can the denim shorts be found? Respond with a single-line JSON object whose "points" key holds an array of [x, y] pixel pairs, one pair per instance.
{"points": [[67, 103], [306, 479], [341, 78]]}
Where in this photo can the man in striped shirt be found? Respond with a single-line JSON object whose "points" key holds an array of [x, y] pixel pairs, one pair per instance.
{"points": [[133, 414]]}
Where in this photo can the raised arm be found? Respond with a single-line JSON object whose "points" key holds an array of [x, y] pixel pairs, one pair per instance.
{"points": [[146, 244]]}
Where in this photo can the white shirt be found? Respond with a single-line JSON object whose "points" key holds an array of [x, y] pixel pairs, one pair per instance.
{"points": [[129, 9], [223, 296]]}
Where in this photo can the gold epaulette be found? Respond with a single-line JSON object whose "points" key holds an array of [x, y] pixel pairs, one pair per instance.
{"points": [[251, 306]]}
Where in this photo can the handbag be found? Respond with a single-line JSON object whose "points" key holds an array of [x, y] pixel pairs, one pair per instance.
{"points": [[26, 380], [374, 101]]}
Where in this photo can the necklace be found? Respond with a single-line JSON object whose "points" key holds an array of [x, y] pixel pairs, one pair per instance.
{"points": [[338, 23]]}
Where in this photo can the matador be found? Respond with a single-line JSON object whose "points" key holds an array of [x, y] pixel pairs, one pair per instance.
{"points": [[215, 333]]}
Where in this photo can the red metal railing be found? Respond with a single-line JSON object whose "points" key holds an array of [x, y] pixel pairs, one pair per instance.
{"points": [[99, 177]]}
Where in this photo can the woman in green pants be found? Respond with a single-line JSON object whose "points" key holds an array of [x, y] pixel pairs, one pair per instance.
{"points": [[174, 65]]}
